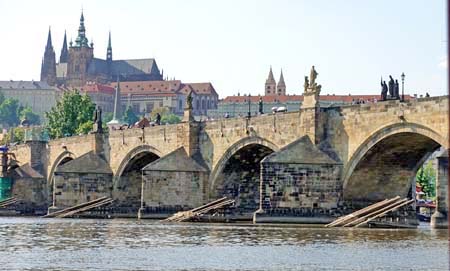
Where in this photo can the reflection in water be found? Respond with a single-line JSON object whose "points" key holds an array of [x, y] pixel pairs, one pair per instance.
{"points": [[76, 244]]}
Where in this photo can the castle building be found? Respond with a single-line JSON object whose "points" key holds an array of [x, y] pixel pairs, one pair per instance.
{"points": [[78, 66]]}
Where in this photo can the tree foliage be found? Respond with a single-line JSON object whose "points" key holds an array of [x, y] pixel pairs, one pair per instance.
{"points": [[27, 113], [129, 116], [14, 135], [426, 177], [166, 116], [11, 112], [71, 115]]}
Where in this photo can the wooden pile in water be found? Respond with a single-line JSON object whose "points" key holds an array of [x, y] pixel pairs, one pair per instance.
{"points": [[371, 212], [196, 212], [7, 202], [86, 206]]}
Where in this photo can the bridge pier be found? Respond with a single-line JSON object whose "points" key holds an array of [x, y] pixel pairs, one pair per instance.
{"points": [[439, 218]]}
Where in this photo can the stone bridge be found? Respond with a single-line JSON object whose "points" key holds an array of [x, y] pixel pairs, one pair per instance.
{"points": [[346, 155]]}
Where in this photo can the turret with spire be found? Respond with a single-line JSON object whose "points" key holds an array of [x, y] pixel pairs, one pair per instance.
{"points": [[271, 85], [281, 86], [48, 68], [81, 40], [64, 51], [81, 53]]}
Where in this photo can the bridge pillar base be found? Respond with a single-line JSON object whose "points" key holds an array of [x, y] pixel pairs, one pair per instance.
{"points": [[439, 220]]}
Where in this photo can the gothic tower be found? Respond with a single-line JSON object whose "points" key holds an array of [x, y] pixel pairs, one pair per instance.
{"points": [[80, 55], [64, 51], [48, 67], [271, 85], [109, 55], [281, 86]]}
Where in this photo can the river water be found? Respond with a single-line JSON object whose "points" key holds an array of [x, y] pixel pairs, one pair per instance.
{"points": [[84, 244]]}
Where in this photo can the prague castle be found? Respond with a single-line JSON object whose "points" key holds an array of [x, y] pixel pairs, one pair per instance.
{"points": [[78, 66]]}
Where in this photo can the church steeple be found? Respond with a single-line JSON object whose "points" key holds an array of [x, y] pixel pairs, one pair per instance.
{"points": [[64, 51], [49, 45], [271, 85], [48, 67], [109, 49], [81, 40], [281, 87]]}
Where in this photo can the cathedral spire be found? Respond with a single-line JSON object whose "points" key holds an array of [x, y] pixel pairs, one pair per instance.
{"points": [[64, 51], [270, 77], [81, 40], [271, 85], [49, 45], [109, 49], [48, 67], [281, 87], [281, 81]]}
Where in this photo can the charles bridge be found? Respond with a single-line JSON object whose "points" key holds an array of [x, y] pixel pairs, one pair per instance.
{"points": [[283, 165]]}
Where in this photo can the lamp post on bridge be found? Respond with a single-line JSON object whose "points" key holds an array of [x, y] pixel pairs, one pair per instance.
{"points": [[403, 86], [249, 113]]}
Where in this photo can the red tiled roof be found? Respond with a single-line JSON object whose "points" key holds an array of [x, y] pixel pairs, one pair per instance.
{"points": [[149, 87], [89, 88], [166, 88], [296, 98], [202, 88]]}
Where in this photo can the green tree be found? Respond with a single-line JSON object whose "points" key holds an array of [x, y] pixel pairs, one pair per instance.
{"points": [[27, 113], [170, 119], [426, 177], [71, 115], [166, 115], [9, 112], [129, 116], [14, 135]]}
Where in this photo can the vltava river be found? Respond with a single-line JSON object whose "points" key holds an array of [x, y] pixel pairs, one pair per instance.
{"points": [[82, 244]]}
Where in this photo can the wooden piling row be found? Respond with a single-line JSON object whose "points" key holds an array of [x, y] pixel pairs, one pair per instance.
{"points": [[196, 212], [80, 207], [7, 202], [369, 213]]}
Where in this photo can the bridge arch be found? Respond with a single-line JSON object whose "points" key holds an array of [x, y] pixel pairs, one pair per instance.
{"points": [[236, 174], [128, 179], [61, 159], [384, 165]]}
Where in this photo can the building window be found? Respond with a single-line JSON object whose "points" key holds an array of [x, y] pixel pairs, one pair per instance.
{"points": [[197, 104], [148, 107], [180, 104], [136, 108]]}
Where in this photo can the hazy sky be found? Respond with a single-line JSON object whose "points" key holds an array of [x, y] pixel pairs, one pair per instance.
{"points": [[233, 43]]}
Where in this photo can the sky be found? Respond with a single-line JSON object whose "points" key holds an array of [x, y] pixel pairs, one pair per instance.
{"points": [[233, 43]]}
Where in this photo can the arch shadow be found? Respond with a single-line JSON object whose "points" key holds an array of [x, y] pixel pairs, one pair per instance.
{"points": [[383, 133], [220, 165]]}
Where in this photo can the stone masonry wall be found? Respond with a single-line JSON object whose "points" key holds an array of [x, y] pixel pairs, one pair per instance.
{"points": [[73, 188], [170, 190], [290, 187], [30, 191]]}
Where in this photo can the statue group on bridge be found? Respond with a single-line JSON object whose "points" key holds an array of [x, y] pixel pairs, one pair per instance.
{"points": [[310, 83], [393, 89]]}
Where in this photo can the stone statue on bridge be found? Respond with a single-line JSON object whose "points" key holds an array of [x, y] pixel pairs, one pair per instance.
{"points": [[98, 125], [396, 90], [391, 87], [384, 90], [306, 85], [189, 101], [312, 76]]}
